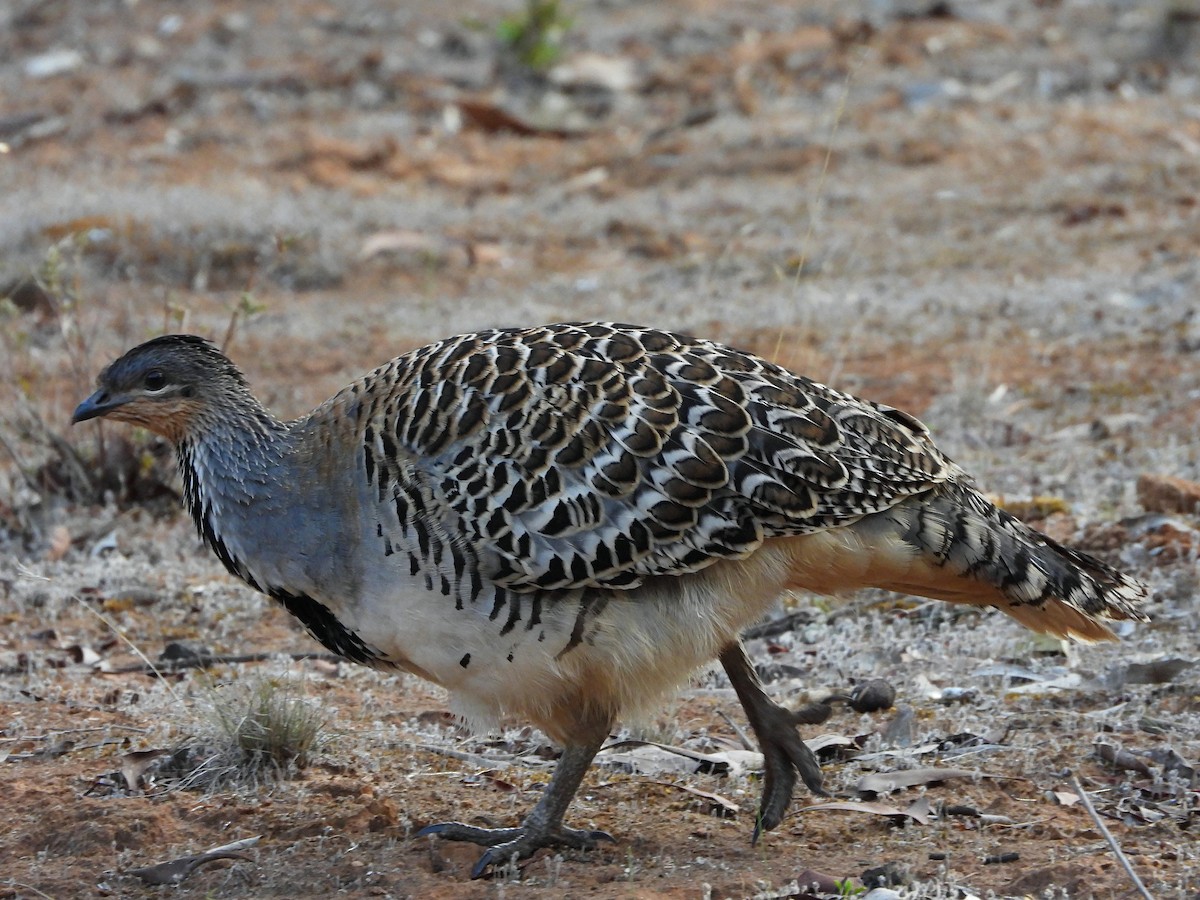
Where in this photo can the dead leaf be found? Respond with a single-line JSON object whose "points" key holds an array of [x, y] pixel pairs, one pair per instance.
{"points": [[1008, 670], [833, 745], [493, 778], [918, 811], [724, 762], [1121, 760], [887, 782], [1168, 494], [1069, 682], [899, 731], [440, 717], [484, 253], [1157, 671], [135, 764], [60, 543], [81, 655], [490, 116], [722, 806], [176, 870], [649, 760], [104, 545], [326, 668], [402, 241], [819, 881]]}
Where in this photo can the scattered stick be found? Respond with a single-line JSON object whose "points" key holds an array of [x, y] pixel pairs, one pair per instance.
{"points": [[204, 660], [790, 622], [199, 661], [742, 736], [132, 646], [1112, 842]]}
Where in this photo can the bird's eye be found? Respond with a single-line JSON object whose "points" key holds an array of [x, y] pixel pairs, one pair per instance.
{"points": [[155, 381]]}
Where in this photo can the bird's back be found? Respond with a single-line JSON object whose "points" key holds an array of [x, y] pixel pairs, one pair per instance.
{"points": [[596, 455]]}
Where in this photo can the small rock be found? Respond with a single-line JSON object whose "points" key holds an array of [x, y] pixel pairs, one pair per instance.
{"points": [[959, 695], [147, 47], [872, 696], [1173, 762], [889, 874], [612, 73], [1001, 858], [234, 23], [56, 62], [170, 25], [177, 652]]}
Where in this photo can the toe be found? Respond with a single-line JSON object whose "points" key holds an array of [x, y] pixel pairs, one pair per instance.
{"points": [[529, 842], [581, 840], [459, 831]]}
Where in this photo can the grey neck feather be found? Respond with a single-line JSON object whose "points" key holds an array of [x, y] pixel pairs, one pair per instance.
{"points": [[236, 475]]}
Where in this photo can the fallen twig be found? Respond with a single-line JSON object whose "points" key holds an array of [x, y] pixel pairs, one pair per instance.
{"points": [[176, 870], [132, 646], [742, 736], [1112, 842], [199, 661], [204, 660], [782, 625]]}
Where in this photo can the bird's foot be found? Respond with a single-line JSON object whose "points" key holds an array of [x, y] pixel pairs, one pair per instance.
{"points": [[785, 756], [506, 843]]}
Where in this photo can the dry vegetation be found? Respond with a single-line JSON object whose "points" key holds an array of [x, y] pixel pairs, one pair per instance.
{"points": [[984, 213]]}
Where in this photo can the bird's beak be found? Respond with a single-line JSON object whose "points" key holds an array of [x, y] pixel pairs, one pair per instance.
{"points": [[99, 404]]}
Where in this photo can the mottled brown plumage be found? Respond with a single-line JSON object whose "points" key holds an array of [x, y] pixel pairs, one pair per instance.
{"points": [[563, 522]]}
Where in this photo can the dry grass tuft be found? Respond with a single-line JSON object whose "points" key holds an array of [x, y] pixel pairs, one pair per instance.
{"points": [[261, 730]]}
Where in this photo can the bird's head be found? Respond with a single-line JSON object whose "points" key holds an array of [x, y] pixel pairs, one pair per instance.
{"points": [[165, 385]]}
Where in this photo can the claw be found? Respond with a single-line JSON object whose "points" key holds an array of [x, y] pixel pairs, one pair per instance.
{"points": [[483, 864]]}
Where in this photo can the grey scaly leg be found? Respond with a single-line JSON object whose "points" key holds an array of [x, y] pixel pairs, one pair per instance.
{"points": [[784, 754], [543, 826]]}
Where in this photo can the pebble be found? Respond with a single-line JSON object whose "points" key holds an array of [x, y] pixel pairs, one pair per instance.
{"points": [[872, 696], [56, 62]]}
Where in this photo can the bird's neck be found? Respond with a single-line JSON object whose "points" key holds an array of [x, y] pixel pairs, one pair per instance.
{"points": [[234, 468]]}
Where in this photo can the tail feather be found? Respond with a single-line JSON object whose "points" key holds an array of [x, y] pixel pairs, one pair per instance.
{"points": [[952, 544]]}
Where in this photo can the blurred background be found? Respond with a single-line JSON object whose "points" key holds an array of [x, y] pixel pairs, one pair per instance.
{"points": [[986, 213]]}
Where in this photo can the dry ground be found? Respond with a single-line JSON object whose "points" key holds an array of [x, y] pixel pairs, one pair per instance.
{"points": [[987, 214]]}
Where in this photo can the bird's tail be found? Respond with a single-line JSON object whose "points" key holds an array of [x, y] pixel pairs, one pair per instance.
{"points": [[952, 544]]}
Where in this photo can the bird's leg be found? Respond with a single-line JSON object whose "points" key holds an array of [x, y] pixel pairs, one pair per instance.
{"points": [[784, 754], [543, 826]]}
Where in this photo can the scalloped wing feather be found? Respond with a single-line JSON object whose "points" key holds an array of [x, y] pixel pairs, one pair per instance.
{"points": [[597, 455]]}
